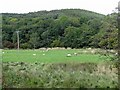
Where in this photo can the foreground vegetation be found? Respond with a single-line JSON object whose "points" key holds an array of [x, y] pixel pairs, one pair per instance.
{"points": [[59, 75]]}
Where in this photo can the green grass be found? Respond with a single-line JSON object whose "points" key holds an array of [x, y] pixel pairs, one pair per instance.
{"points": [[52, 56]]}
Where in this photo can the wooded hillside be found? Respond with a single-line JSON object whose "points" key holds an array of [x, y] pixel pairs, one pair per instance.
{"points": [[73, 28]]}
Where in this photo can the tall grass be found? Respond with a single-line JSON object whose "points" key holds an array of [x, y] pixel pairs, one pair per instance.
{"points": [[59, 75]]}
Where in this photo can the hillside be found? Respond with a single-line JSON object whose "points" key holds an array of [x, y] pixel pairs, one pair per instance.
{"points": [[73, 28]]}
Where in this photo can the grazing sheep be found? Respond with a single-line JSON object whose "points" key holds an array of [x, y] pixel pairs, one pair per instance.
{"points": [[34, 54], [69, 55], [75, 54], [43, 54]]}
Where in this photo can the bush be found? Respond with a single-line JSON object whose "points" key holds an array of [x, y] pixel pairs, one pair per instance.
{"points": [[25, 46], [8, 44]]}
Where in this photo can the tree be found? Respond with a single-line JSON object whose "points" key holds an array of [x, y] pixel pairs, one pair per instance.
{"points": [[70, 37], [34, 39]]}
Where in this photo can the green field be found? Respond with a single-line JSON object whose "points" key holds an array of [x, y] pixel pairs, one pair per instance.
{"points": [[51, 56]]}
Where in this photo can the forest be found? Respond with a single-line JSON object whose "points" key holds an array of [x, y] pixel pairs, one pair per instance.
{"points": [[74, 28]]}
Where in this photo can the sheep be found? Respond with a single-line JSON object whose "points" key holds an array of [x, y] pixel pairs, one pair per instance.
{"points": [[3, 52], [69, 55], [43, 54], [75, 53], [34, 54]]}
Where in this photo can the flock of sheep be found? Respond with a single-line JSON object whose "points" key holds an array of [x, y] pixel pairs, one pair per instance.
{"points": [[88, 50], [68, 55]]}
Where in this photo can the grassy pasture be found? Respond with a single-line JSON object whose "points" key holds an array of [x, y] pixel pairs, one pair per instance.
{"points": [[51, 56]]}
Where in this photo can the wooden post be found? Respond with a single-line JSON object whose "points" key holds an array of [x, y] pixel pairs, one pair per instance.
{"points": [[18, 45]]}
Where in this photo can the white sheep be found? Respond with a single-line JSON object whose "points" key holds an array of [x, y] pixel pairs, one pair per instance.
{"points": [[34, 54], [3, 52], [75, 53], [43, 54], [69, 55]]}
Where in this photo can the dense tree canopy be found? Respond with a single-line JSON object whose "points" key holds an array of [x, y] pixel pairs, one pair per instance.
{"points": [[73, 28]]}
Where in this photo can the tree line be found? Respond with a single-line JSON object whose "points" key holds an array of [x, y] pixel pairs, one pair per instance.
{"points": [[75, 28]]}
